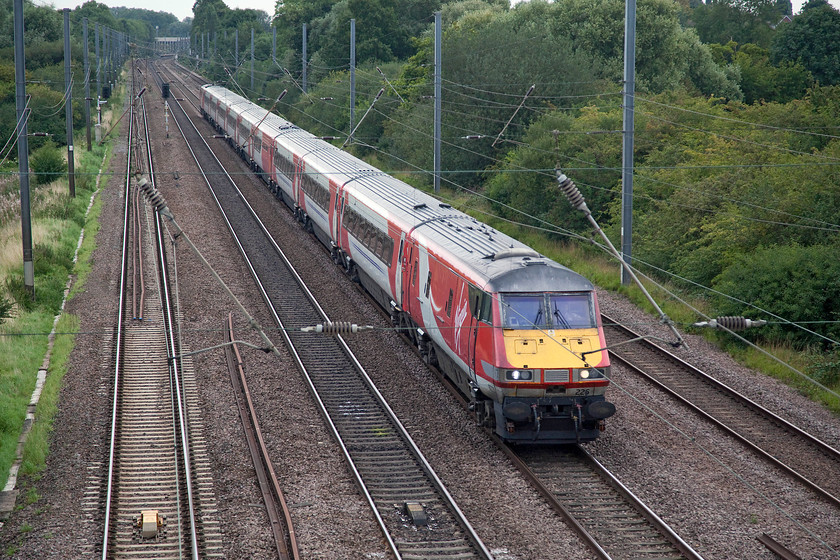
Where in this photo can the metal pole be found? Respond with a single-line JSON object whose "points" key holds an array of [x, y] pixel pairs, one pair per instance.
{"points": [[98, 86], [107, 55], [71, 175], [98, 63], [87, 80], [274, 42], [23, 150], [627, 148], [236, 43], [438, 56], [252, 59], [352, 72], [304, 58]]}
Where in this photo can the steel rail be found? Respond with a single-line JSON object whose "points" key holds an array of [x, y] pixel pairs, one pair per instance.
{"points": [[777, 548], [728, 391], [173, 350], [119, 356], [645, 511], [270, 486], [552, 500]]}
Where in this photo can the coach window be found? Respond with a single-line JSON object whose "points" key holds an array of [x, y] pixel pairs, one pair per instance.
{"points": [[282, 164], [288, 167], [481, 304], [486, 314], [369, 234], [475, 300], [349, 218], [388, 255], [375, 245]]}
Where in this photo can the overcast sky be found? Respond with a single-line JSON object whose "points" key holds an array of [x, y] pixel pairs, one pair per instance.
{"points": [[183, 8], [180, 8]]}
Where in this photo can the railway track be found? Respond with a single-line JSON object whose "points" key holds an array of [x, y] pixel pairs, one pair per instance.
{"points": [[602, 511], [157, 499], [418, 517], [787, 447]]}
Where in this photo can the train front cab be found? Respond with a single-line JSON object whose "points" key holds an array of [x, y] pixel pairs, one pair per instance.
{"points": [[548, 388]]}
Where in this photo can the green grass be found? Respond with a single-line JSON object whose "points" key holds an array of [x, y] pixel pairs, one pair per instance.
{"points": [[57, 220], [37, 444], [22, 356]]}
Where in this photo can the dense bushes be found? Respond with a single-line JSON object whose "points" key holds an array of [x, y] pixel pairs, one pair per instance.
{"points": [[47, 163], [789, 283]]}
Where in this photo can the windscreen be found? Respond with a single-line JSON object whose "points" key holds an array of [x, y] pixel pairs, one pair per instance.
{"points": [[559, 310]]}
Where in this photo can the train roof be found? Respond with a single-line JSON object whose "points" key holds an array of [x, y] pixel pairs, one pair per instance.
{"points": [[494, 260]]}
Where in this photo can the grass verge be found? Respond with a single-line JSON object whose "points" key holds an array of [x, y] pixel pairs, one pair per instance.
{"points": [[57, 220]]}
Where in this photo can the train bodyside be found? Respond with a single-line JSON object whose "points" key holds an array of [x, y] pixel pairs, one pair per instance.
{"points": [[461, 290]]}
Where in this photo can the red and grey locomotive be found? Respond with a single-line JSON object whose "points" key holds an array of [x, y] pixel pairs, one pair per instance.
{"points": [[516, 332]]}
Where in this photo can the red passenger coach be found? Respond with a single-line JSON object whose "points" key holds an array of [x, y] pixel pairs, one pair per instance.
{"points": [[519, 334]]}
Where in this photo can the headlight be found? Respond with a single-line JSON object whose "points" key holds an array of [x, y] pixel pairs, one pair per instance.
{"points": [[588, 374], [519, 375]]}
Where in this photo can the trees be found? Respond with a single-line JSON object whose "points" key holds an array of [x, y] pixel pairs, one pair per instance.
{"points": [[794, 282], [664, 50], [379, 33], [488, 65], [812, 39], [743, 21], [761, 80]]}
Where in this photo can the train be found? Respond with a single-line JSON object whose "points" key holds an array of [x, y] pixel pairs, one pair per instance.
{"points": [[519, 334]]}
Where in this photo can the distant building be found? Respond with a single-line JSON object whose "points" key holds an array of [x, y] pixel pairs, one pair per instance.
{"points": [[786, 19], [172, 44]]}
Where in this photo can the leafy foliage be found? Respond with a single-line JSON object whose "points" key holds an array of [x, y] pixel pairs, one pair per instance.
{"points": [[742, 21], [797, 284], [761, 80], [591, 156], [663, 48], [812, 39], [380, 37], [47, 163], [472, 48]]}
